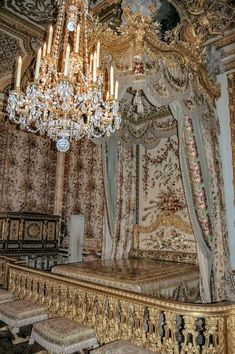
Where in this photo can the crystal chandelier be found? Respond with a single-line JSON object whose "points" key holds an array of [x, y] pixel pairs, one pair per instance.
{"points": [[69, 97]]}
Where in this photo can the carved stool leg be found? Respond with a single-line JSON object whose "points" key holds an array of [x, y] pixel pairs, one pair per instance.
{"points": [[5, 328], [18, 340]]}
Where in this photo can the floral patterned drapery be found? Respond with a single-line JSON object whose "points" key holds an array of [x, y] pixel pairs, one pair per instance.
{"points": [[125, 202], [199, 193], [83, 191], [209, 206], [224, 285]]}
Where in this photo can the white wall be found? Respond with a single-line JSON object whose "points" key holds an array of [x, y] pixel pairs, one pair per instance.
{"points": [[226, 156]]}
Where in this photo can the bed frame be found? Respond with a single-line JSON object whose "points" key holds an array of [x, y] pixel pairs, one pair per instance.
{"points": [[169, 221]]}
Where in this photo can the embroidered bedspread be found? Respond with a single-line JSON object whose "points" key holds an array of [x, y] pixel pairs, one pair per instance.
{"points": [[169, 280]]}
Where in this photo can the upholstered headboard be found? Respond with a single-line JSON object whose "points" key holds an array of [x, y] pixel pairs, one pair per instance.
{"points": [[168, 238]]}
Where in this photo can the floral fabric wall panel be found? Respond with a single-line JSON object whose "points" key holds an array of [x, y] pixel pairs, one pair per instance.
{"points": [[84, 190], [162, 199], [28, 171]]}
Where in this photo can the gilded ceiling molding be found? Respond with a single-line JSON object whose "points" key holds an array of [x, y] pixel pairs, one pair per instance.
{"points": [[228, 38], [230, 65], [38, 12], [102, 6], [20, 26]]}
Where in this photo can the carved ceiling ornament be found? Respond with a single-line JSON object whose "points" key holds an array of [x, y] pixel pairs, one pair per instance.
{"points": [[140, 56], [202, 18], [40, 12]]}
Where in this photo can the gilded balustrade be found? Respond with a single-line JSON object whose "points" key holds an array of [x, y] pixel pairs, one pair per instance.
{"points": [[4, 261], [163, 326]]}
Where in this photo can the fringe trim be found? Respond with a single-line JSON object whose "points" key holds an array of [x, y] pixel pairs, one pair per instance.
{"points": [[23, 322], [69, 349]]}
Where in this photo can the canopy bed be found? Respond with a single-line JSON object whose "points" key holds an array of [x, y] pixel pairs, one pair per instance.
{"points": [[166, 92], [169, 274]]}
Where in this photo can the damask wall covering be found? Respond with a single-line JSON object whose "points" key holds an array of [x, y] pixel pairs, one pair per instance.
{"points": [[28, 167], [27, 171], [83, 191]]}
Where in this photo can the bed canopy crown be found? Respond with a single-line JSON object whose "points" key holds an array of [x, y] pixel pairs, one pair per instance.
{"points": [[154, 71]]}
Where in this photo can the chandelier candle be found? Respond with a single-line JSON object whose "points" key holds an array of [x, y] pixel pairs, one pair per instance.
{"points": [[66, 64], [50, 40], [94, 66], [44, 50], [38, 64], [18, 75], [116, 90], [111, 81], [98, 54], [91, 63], [76, 49]]}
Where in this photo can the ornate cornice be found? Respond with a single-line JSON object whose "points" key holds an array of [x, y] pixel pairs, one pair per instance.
{"points": [[19, 26]]}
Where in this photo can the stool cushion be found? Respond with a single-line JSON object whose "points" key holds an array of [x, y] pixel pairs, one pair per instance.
{"points": [[21, 312], [5, 296], [63, 335], [19, 309], [120, 347]]}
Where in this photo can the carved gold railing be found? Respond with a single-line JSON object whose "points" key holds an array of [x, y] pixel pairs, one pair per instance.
{"points": [[4, 262], [163, 326]]}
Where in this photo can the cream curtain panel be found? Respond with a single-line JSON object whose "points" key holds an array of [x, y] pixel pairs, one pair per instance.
{"points": [[120, 192]]}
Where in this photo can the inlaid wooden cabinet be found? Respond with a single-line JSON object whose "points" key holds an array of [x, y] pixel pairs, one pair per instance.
{"points": [[32, 232]]}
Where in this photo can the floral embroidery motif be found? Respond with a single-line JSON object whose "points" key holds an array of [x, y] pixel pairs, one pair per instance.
{"points": [[197, 181], [162, 194]]}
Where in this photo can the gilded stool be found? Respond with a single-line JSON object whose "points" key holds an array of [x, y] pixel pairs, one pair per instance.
{"points": [[121, 347], [63, 336], [5, 296], [19, 313]]}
